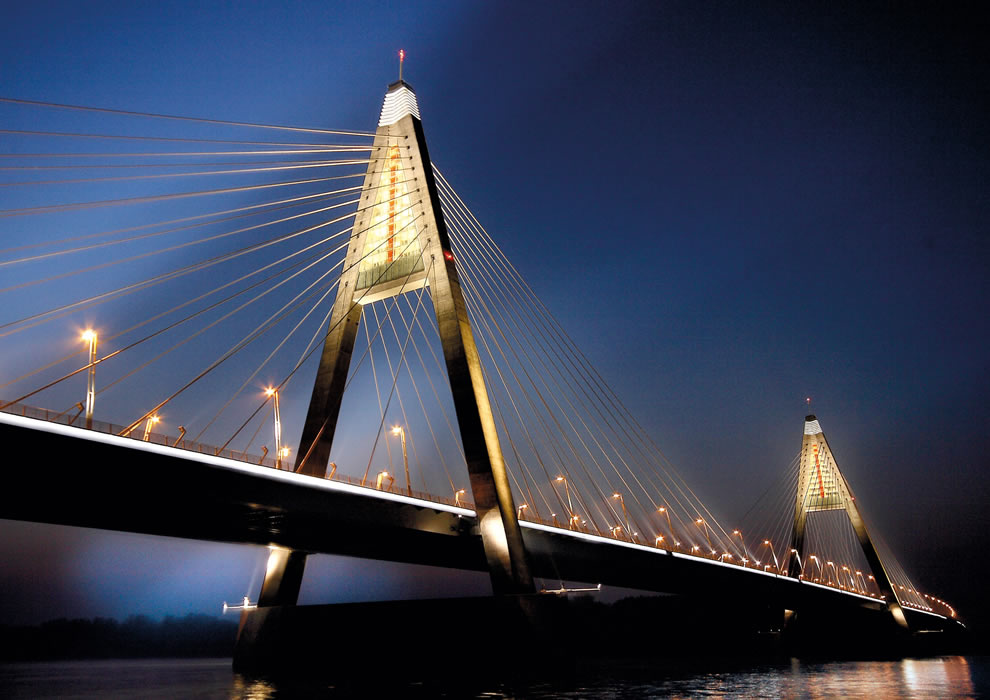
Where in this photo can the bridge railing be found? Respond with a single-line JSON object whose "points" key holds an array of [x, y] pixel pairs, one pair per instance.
{"points": [[75, 419], [402, 491], [528, 516]]}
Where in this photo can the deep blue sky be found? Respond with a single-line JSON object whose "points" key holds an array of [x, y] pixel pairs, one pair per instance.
{"points": [[730, 207]]}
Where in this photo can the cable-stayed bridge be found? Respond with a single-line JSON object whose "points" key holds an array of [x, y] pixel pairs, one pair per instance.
{"points": [[452, 421]]}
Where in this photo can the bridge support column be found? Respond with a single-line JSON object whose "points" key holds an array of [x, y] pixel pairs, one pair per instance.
{"points": [[261, 629], [283, 577]]}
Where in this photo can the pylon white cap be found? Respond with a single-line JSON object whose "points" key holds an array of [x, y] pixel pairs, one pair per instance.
{"points": [[400, 100]]}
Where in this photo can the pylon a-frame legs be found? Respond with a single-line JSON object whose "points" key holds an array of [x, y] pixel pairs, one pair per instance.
{"points": [[399, 243], [821, 486]]}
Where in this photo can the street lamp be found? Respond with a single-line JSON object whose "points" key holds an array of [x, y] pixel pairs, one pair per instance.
{"points": [[773, 554], [797, 555], [397, 430], [700, 522], [625, 514], [859, 576], [742, 541], [152, 420], [520, 509], [670, 526], [273, 393], [457, 496], [819, 562], [89, 336], [567, 492], [382, 476]]}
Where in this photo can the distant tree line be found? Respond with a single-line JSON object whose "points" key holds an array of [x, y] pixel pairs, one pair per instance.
{"points": [[136, 637]]}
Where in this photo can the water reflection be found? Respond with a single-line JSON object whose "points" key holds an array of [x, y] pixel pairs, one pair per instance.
{"points": [[251, 689], [940, 677], [908, 678]]}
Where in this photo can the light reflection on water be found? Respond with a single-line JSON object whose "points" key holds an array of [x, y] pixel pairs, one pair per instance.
{"points": [[946, 677], [941, 677]]}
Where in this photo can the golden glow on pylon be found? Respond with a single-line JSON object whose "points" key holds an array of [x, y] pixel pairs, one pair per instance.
{"points": [[393, 174], [391, 250]]}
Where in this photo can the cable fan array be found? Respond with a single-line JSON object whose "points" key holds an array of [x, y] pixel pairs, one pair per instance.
{"points": [[577, 457], [175, 277]]}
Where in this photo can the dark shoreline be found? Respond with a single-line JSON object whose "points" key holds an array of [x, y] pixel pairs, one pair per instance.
{"points": [[637, 630], [191, 636]]}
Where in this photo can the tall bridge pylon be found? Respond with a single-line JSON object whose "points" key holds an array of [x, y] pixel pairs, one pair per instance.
{"points": [[821, 486], [399, 243]]}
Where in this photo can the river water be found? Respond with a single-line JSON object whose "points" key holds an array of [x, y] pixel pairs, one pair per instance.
{"points": [[940, 677]]}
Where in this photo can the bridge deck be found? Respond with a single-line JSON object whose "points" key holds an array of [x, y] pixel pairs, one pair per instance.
{"points": [[90, 479]]}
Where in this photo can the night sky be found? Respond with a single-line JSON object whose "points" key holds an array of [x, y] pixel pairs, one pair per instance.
{"points": [[730, 207]]}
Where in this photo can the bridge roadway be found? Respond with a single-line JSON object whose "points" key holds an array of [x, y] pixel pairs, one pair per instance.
{"points": [[71, 476]]}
